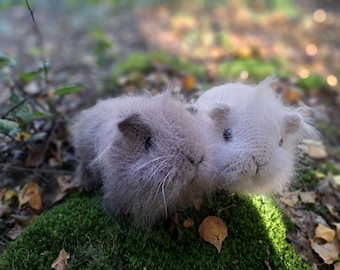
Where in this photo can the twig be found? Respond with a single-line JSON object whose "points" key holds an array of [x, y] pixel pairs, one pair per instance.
{"points": [[29, 8], [16, 106], [23, 169], [36, 29]]}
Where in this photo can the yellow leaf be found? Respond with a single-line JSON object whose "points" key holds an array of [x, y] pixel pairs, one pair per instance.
{"points": [[336, 179], [214, 231], [22, 135], [60, 263], [325, 233], [8, 194], [30, 194], [328, 252]]}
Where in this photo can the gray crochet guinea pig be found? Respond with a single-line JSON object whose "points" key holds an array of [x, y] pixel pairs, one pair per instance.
{"points": [[148, 153], [253, 136]]}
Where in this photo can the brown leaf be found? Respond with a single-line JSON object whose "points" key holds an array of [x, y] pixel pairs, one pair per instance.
{"points": [[316, 149], [34, 157], [328, 252], [291, 96], [189, 222], [337, 225], [60, 263], [336, 266], [14, 232], [3, 209], [307, 197], [290, 198], [30, 194], [213, 230], [66, 185], [325, 233]]}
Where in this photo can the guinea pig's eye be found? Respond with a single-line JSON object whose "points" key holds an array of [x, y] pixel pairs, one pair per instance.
{"points": [[149, 142], [227, 134], [281, 142]]}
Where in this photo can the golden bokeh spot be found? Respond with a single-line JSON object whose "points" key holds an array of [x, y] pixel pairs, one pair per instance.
{"points": [[332, 80], [311, 49], [319, 15]]}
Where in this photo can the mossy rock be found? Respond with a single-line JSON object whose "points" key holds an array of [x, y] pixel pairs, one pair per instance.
{"points": [[96, 241]]}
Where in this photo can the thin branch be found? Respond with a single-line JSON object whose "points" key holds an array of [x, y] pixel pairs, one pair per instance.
{"points": [[23, 169], [16, 106], [29, 8]]}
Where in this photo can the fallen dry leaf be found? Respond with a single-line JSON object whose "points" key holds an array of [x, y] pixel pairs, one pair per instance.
{"points": [[8, 195], [325, 233], [60, 263], [307, 197], [336, 266], [337, 225], [66, 185], [316, 149], [213, 230], [290, 198], [30, 194], [328, 252], [189, 222], [14, 232], [291, 96], [3, 209], [188, 82], [336, 180]]}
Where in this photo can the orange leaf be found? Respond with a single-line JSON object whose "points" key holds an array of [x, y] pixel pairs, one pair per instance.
{"points": [[214, 231], [188, 82], [60, 263], [30, 194]]}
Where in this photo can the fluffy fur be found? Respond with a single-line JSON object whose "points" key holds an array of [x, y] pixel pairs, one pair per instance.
{"points": [[253, 136], [148, 152]]}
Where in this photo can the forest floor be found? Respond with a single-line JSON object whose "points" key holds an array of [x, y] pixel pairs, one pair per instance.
{"points": [[86, 45]]}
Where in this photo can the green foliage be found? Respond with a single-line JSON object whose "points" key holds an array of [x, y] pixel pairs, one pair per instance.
{"points": [[23, 108], [70, 89], [312, 82], [145, 61], [7, 126], [96, 241], [257, 69]]}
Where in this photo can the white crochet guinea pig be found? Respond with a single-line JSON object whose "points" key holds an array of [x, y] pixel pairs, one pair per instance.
{"points": [[148, 153], [253, 137]]}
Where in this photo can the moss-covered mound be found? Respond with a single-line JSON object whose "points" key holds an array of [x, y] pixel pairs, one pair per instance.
{"points": [[256, 239]]}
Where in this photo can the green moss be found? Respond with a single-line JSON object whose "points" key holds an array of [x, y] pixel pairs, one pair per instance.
{"points": [[96, 241], [146, 61], [257, 69], [312, 82]]}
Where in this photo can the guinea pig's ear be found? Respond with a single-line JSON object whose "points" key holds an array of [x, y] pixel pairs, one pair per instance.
{"points": [[219, 112], [291, 123], [132, 126]]}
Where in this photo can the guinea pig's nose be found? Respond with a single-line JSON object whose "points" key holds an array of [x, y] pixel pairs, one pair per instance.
{"points": [[193, 161]]}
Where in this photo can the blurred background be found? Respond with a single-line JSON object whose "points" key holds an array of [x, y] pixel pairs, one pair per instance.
{"points": [[75, 52]]}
